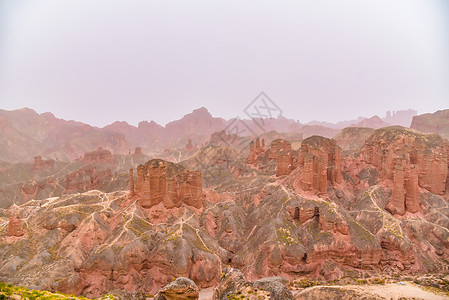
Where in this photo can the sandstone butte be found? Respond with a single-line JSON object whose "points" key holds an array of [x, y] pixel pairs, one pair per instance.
{"points": [[189, 146], [159, 181], [39, 163], [320, 161], [408, 160], [137, 151], [280, 151], [99, 155]]}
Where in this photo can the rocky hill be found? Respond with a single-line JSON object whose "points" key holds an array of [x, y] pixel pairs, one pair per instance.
{"points": [[437, 122], [28, 134]]}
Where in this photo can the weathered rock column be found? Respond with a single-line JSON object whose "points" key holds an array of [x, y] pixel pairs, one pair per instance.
{"points": [[411, 187], [15, 225], [131, 182], [397, 204]]}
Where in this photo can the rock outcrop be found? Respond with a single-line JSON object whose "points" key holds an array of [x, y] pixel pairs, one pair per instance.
{"points": [[90, 177], [409, 160], [278, 147], [99, 155], [137, 151], [15, 226], [233, 285], [39, 163], [280, 150], [255, 149], [189, 146], [437, 122], [181, 288], [284, 163], [320, 161], [161, 181], [131, 183]]}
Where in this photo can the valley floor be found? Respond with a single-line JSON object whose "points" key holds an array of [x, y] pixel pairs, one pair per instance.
{"points": [[403, 290]]}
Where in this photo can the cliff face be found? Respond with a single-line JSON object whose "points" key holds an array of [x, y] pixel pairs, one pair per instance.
{"points": [[320, 161], [280, 151], [410, 160], [161, 181], [389, 147]]}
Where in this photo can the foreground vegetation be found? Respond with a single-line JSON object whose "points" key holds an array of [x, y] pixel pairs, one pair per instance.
{"points": [[9, 291]]}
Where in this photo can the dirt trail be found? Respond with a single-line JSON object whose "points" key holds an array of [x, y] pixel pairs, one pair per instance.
{"points": [[389, 291]]}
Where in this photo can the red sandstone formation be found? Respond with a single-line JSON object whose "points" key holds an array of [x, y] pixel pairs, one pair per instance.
{"points": [[409, 159], [189, 146], [138, 151], [39, 163], [255, 149], [99, 155], [397, 202], [284, 163], [320, 159], [279, 146], [131, 183], [15, 226], [281, 150], [161, 181], [87, 178]]}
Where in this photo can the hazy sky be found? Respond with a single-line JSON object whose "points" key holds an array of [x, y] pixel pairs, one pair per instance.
{"points": [[106, 60]]}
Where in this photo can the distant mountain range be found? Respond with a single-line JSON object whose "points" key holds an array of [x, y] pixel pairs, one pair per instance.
{"points": [[27, 134]]}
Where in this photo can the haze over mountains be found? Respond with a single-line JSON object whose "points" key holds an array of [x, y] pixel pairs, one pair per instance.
{"points": [[29, 134]]}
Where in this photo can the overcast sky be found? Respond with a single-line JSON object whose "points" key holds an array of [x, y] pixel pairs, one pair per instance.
{"points": [[106, 60]]}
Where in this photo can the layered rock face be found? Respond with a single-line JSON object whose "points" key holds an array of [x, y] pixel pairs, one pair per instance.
{"points": [[320, 161], [15, 226], [284, 164], [99, 155], [408, 159], [161, 181], [281, 150]]}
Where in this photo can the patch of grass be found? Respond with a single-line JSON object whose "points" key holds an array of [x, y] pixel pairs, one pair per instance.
{"points": [[9, 290], [285, 237]]}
